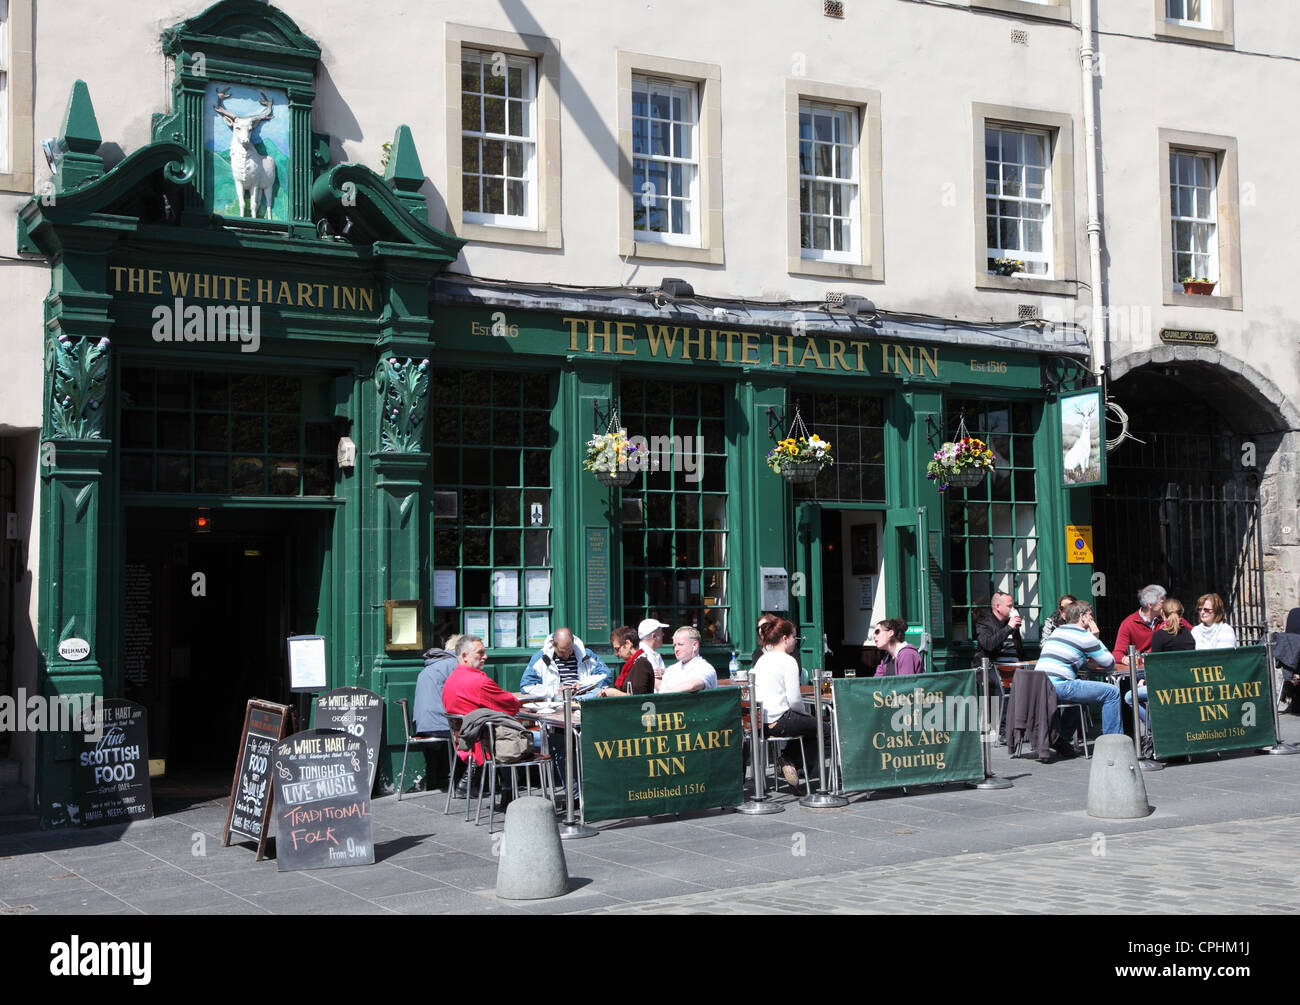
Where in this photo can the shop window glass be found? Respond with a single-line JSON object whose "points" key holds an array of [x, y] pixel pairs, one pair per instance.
{"points": [[854, 425], [492, 520], [993, 528], [676, 565], [219, 433]]}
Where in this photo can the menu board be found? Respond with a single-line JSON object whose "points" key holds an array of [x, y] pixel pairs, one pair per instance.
{"points": [[323, 814], [357, 712], [113, 764], [137, 618], [250, 794], [597, 582]]}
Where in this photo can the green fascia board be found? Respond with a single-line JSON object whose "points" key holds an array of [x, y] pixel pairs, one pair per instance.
{"points": [[376, 207], [242, 27], [94, 202]]}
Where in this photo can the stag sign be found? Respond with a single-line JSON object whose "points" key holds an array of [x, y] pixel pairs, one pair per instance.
{"points": [[1083, 439], [248, 138]]}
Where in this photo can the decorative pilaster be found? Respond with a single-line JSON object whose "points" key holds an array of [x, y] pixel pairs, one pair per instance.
{"points": [[403, 387]]}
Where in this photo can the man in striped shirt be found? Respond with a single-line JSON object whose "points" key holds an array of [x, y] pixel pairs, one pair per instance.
{"points": [[1067, 651]]}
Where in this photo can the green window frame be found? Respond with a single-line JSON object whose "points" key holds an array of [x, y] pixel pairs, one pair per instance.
{"points": [[676, 560], [226, 433], [854, 425], [993, 528], [493, 437]]}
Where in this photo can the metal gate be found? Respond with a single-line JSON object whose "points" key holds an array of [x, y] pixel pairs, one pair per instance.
{"points": [[1191, 540]]}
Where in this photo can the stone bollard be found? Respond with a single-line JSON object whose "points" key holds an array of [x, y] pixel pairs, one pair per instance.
{"points": [[532, 865], [1115, 786]]}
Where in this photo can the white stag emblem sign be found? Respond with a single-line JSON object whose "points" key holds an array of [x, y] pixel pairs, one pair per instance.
{"points": [[1077, 457], [252, 172]]}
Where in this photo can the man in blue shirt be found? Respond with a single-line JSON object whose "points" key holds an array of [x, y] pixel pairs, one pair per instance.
{"points": [[1067, 651]]}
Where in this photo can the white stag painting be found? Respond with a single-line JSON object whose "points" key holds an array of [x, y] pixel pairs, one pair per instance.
{"points": [[248, 138], [1081, 439]]}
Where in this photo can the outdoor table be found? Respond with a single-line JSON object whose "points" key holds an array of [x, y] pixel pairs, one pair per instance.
{"points": [[1007, 671]]}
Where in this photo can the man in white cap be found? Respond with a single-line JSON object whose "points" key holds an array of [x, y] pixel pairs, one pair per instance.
{"points": [[651, 634]]}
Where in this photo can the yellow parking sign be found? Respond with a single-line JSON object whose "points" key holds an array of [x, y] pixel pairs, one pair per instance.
{"points": [[1078, 544]]}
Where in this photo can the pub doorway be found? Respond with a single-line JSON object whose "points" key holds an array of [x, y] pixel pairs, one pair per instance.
{"points": [[206, 609]]}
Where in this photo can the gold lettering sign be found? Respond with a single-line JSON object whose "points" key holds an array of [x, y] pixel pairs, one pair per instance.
{"points": [[240, 289]]}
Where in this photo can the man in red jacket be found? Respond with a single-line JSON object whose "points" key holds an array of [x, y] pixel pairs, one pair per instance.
{"points": [[1138, 627], [469, 688]]}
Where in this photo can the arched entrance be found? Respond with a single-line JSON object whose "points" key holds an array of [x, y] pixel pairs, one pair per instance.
{"points": [[1184, 507]]}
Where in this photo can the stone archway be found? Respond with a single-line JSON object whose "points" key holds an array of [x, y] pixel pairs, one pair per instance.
{"points": [[1208, 503]]}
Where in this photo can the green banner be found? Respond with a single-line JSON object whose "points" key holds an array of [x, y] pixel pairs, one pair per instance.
{"points": [[914, 730], [661, 753], [1208, 700]]}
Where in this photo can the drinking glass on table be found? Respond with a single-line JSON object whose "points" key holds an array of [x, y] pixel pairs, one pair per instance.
{"points": [[826, 683]]}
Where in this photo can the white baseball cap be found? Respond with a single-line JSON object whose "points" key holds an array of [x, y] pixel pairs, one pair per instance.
{"points": [[647, 626]]}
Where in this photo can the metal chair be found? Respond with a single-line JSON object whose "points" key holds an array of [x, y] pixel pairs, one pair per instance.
{"points": [[424, 741], [488, 773], [775, 745]]}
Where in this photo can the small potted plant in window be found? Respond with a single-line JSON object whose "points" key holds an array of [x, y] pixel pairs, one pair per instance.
{"points": [[1199, 285], [607, 456], [1006, 266]]}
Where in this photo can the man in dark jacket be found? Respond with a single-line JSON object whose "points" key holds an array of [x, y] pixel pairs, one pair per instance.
{"points": [[430, 717], [997, 632]]}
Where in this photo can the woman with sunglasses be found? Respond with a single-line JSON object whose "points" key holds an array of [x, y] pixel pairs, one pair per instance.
{"points": [[903, 657], [1213, 632]]}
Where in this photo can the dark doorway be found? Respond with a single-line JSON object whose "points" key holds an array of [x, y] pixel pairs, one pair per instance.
{"points": [[1182, 507], [205, 617]]}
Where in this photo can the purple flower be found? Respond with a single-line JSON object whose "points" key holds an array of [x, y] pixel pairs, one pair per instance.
{"points": [[424, 364], [103, 343]]}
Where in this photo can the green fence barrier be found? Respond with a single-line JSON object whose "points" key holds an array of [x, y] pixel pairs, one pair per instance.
{"points": [[661, 753], [1208, 700], [915, 730]]}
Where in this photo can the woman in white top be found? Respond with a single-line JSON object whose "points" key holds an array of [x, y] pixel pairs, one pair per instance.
{"points": [[774, 681], [1213, 632]]}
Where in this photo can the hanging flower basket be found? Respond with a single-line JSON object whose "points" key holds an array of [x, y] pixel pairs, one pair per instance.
{"points": [[608, 454], [801, 455], [617, 478], [961, 463]]}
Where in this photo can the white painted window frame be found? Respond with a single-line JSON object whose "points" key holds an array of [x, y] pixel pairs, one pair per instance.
{"points": [[528, 219], [848, 116], [652, 84], [1045, 256], [1212, 219]]}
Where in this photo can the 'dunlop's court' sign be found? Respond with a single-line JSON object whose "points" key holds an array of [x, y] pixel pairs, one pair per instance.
{"points": [[913, 730], [663, 753], [1208, 700]]}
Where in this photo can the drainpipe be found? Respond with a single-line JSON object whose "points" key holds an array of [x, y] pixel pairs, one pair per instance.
{"points": [[1100, 337]]}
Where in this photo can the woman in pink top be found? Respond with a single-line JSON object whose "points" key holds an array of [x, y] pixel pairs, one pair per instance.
{"points": [[903, 658]]}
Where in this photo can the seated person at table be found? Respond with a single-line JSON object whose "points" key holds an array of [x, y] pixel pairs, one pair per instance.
{"points": [[468, 688], [765, 619], [1137, 628], [638, 674], [1054, 622], [1172, 635], [651, 632], [775, 682], [1213, 632], [691, 672], [902, 657], [563, 661], [997, 633], [426, 710], [1072, 647]]}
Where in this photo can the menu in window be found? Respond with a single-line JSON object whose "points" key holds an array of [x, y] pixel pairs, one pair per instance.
{"points": [[537, 587], [505, 629]]}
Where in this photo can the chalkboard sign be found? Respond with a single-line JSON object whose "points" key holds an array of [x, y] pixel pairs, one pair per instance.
{"points": [[358, 713], [265, 723], [322, 811], [113, 765]]}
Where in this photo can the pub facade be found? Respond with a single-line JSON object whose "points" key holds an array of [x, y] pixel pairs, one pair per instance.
{"points": [[272, 410]]}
